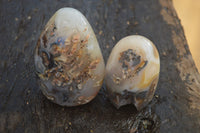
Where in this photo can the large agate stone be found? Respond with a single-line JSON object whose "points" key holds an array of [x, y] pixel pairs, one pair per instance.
{"points": [[68, 59], [132, 72]]}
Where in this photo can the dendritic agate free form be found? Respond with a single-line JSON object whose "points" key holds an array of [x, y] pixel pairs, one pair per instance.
{"points": [[132, 72], [68, 59]]}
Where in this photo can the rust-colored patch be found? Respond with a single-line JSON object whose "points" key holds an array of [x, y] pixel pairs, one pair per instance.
{"points": [[93, 64], [83, 42], [139, 66], [85, 29]]}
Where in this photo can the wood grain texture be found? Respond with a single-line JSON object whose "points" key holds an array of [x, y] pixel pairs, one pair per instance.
{"points": [[174, 108]]}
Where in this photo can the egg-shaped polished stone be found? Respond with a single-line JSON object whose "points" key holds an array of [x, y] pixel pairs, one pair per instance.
{"points": [[132, 72], [68, 59]]}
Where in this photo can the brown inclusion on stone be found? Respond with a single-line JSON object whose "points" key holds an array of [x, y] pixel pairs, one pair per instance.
{"points": [[131, 64], [67, 64]]}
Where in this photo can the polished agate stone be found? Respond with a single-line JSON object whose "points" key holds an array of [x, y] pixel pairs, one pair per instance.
{"points": [[68, 59], [132, 72]]}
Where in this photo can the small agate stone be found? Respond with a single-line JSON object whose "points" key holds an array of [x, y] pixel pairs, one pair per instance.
{"points": [[68, 59], [132, 72]]}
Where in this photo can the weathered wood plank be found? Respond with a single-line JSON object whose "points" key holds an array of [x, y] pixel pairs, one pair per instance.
{"points": [[23, 108]]}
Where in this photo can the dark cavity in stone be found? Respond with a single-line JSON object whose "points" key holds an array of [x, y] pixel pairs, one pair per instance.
{"points": [[130, 57]]}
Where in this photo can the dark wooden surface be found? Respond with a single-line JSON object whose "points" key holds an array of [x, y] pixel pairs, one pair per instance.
{"points": [[175, 107]]}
